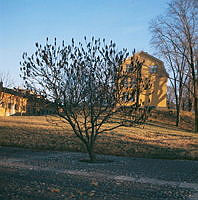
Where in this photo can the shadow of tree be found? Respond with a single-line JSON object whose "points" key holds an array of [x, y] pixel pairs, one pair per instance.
{"points": [[109, 144], [166, 126]]}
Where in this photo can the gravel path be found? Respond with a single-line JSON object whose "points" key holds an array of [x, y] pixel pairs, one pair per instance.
{"points": [[35, 175]]}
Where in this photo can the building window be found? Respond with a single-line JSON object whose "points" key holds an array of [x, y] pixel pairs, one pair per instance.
{"points": [[153, 69], [126, 84], [196, 69], [129, 68], [16, 107], [24, 108], [133, 82], [9, 105], [132, 97], [3, 104], [125, 96]]}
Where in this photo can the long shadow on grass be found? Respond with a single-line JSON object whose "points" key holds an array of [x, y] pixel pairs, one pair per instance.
{"points": [[137, 149], [22, 123], [167, 126], [105, 144]]}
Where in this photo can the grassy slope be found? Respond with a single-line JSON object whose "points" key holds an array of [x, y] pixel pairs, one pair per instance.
{"points": [[157, 139]]}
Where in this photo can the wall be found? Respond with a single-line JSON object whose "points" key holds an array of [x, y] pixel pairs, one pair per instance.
{"points": [[11, 104], [156, 95]]}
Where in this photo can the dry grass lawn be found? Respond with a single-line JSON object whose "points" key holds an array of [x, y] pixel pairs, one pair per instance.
{"points": [[153, 140]]}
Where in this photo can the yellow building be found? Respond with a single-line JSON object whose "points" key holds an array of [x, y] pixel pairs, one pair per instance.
{"points": [[154, 75], [21, 101], [11, 102]]}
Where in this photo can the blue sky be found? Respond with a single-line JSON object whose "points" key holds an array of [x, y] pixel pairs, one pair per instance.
{"points": [[24, 22]]}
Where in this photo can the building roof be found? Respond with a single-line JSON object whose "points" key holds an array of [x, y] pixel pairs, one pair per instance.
{"points": [[11, 91], [150, 56]]}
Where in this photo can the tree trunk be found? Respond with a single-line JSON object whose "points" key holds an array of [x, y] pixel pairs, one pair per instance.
{"points": [[177, 108], [196, 114], [177, 115], [91, 153]]}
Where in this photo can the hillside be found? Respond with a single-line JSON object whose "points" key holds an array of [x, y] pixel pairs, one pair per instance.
{"points": [[167, 117], [158, 138]]}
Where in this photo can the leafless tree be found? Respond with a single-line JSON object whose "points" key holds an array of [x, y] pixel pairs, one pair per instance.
{"points": [[85, 82], [187, 100], [171, 103], [175, 36]]}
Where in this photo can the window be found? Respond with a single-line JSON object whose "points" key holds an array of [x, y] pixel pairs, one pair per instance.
{"points": [[127, 82], [124, 82], [196, 68], [196, 63], [3, 104], [132, 97], [125, 96], [9, 105], [16, 107], [24, 108], [133, 82], [153, 69], [129, 68]]}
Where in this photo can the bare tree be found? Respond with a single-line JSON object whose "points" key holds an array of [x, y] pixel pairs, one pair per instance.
{"points": [[171, 103], [187, 100], [85, 82], [175, 63], [175, 36]]}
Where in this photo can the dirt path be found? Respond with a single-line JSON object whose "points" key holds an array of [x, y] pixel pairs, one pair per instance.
{"points": [[31, 175]]}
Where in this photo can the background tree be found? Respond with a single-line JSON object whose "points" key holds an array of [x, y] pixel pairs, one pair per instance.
{"points": [[171, 97], [85, 82], [175, 36], [187, 99], [175, 63]]}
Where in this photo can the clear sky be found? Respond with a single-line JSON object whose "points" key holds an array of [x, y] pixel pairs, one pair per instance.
{"points": [[24, 22]]}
